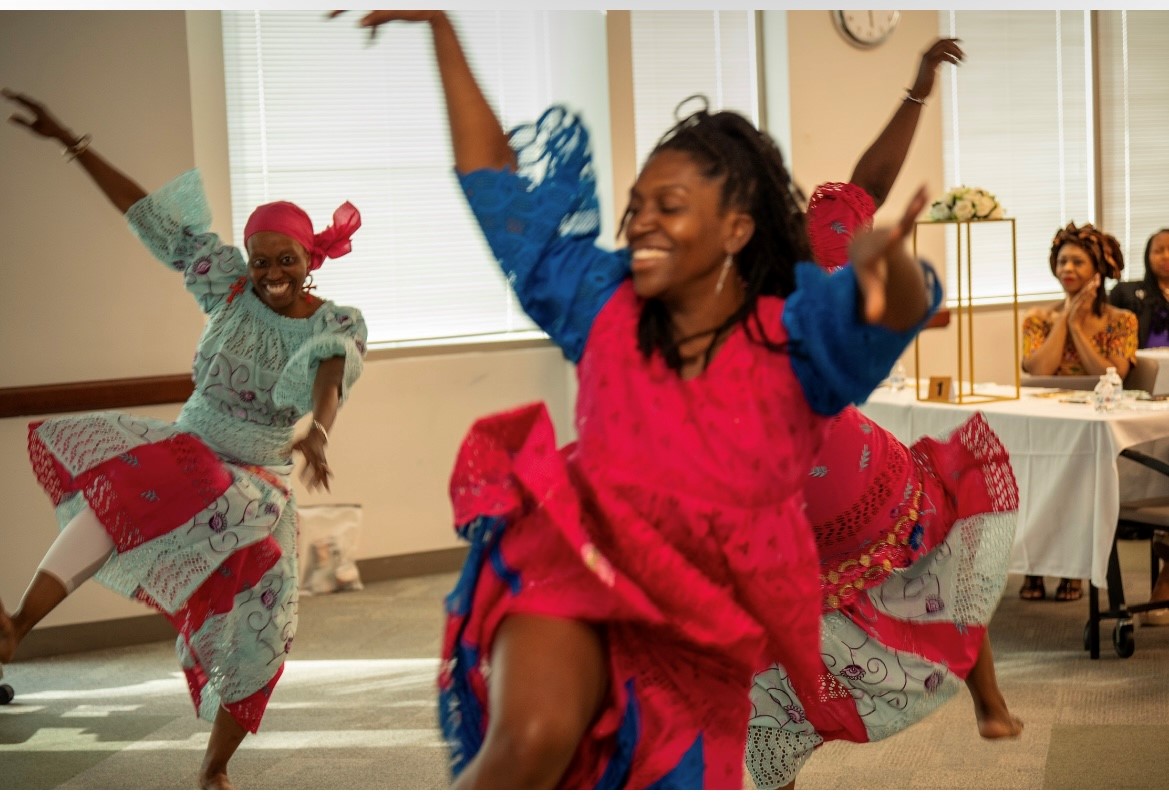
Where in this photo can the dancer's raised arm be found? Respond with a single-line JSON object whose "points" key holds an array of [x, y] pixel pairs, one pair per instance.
{"points": [[121, 190], [879, 165], [476, 134]]}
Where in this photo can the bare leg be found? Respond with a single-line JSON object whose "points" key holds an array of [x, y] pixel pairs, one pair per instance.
{"points": [[548, 681], [226, 735], [42, 596], [78, 552], [990, 708]]}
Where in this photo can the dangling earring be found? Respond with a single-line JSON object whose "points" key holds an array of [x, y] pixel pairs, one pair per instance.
{"points": [[309, 285], [728, 262]]}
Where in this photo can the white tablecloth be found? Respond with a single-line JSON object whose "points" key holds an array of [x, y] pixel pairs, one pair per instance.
{"points": [[1065, 459]]}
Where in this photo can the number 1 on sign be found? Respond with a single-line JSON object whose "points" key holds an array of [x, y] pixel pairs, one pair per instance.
{"points": [[939, 388]]}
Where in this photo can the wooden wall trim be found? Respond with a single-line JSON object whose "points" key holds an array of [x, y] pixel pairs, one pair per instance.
{"points": [[49, 399]]}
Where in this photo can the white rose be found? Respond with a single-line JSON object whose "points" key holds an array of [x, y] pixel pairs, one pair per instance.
{"points": [[996, 213], [963, 210], [983, 205], [939, 211]]}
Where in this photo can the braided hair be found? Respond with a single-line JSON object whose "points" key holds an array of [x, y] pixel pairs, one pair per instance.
{"points": [[725, 145], [1102, 249]]}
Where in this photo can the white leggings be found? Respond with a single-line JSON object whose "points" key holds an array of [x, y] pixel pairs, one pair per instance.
{"points": [[80, 549]]}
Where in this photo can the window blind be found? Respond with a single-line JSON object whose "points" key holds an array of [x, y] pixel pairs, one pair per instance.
{"points": [[317, 116], [1018, 123], [1134, 116], [681, 53]]}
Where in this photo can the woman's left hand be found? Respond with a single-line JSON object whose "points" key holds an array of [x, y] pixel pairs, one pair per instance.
{"points": [[316, 472], [890, 280]]}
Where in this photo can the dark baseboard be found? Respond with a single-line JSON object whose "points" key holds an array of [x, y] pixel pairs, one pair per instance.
{"points": [[141, 629]]}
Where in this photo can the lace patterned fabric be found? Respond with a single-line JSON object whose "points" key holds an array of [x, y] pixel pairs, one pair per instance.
{"points": [[903, 635], [675, 521], [200, 510], [836, 212], [697, 567], [913, 544], [542, 221]]}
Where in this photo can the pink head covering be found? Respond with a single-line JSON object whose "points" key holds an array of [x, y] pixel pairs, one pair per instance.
{"points": [[292, 221], [836, 213]]}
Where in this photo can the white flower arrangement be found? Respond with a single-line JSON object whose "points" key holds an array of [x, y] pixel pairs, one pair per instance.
{"points": [[965, 203]]}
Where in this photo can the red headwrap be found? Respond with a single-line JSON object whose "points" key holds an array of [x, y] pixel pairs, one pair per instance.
{"points": [[292, 221]]}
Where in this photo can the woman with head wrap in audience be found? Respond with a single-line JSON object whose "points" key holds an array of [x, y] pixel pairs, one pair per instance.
{"points": [[1083, 334]]}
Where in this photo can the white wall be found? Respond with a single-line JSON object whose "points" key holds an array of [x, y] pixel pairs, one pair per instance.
{"points": [[82, 301]]}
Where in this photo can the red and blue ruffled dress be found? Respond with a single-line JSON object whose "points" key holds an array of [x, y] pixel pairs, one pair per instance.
{"points": [[675, 522], [913, 543], [201, 510]]}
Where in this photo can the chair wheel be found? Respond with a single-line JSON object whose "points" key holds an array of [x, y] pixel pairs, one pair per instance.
{"points": [[1122, 638], [6, 694]]}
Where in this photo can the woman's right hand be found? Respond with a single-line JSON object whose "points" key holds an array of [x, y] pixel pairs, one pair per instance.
{"points": [[1080, 303], [943, 50], [375, 19], [42, 123]]}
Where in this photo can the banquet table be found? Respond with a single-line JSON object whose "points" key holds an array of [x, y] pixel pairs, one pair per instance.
{"points": [[1064, 455]]}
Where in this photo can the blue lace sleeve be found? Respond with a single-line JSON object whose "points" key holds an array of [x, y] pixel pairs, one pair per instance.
{"points": [[838, 359], [172, 222], [542, 221], [341, 332]]}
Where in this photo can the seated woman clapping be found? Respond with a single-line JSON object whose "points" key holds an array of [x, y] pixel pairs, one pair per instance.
{"points": [[1083, 334]]}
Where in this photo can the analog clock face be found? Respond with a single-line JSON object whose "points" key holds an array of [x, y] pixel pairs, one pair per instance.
{"points": [[866, 28]]}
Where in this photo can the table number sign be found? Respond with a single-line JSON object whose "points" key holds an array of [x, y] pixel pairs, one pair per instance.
{"points": [[941, 388]]}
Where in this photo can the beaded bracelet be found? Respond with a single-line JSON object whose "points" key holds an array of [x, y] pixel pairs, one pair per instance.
{"points": [[321, 428], [74, 150]]}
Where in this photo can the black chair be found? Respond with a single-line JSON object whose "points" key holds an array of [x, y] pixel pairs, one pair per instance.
{"points": [[1152, 515]]}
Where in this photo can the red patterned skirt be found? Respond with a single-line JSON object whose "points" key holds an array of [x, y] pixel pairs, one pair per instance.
{"points": [[207, 543]]}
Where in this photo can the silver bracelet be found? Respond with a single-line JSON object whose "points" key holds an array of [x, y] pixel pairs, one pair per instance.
{"points": [[321, 428], [74, 150], [909, 96]]}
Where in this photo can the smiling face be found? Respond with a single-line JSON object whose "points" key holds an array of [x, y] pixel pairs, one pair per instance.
{"points": [[278, 265], [1074, 268], [677, 231]]}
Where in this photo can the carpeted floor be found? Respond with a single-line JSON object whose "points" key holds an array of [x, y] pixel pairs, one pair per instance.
{"points": [[356, 709]]}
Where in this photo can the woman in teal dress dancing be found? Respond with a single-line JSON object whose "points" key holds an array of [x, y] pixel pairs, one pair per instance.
{"points": [[197, 518]]}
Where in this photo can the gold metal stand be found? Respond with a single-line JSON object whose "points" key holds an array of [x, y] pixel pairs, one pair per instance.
{"points": [[964, 313]]}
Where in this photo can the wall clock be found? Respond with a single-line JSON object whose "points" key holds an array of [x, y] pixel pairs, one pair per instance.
{"points": [[866, 29]]}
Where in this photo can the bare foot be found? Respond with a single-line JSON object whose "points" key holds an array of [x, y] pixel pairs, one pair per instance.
{"points": [[215, 781], [8, 638], [995, 721]]}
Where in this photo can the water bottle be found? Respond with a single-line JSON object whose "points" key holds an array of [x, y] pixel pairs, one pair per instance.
{"points": [[1105, 394], [1117, 388], [897, 377]]}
